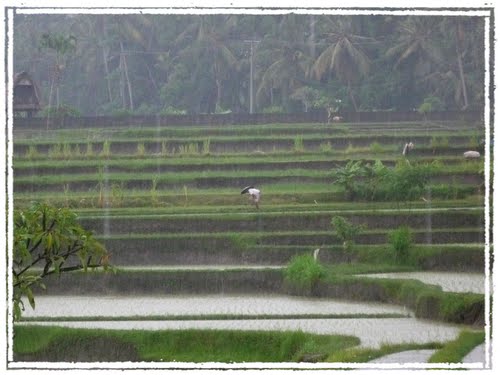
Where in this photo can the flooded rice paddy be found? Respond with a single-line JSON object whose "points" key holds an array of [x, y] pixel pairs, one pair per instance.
{"points": [[372, 332], [448, 281], [178, 305]]}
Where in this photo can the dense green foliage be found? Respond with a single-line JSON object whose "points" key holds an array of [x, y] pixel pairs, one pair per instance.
{"points": [[167, 346], [303, 273], [51, 239], [345, 231], [171, 64], [401, 239]]}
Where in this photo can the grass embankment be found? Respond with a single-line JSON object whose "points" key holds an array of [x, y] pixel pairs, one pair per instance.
{"points": [[455, 351], [178, 131], [65, 344], [280, 196], [427, 301], [450, 352]]}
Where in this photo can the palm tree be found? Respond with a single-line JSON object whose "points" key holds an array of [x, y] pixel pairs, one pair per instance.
{"points": [[62, 46], [207, 36], [286, 72], [344, 56], [415, 51]]}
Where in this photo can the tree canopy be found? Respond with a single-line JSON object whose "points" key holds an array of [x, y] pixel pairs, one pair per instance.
{"points": [[150, 64], [47, 241]]}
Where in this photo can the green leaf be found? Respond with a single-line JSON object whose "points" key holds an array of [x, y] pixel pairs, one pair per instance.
{"points": [[31, 298]]}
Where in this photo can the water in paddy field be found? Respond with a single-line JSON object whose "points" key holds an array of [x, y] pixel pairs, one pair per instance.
{"points": [[372, 332], [112, 306]]}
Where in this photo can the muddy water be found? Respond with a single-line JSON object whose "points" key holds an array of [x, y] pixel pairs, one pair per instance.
{"points": [[448, 281], [371, 332], [112, 306]]}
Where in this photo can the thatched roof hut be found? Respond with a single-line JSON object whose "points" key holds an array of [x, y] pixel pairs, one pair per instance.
{"points": [[26, 94]]}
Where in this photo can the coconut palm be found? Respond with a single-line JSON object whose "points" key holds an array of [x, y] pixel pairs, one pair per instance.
{"points": [[207, 37], [344, 56], [62, 46], [286, 73]]}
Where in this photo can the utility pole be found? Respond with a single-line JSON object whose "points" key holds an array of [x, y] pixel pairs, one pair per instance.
{"points": [[252, 43]]}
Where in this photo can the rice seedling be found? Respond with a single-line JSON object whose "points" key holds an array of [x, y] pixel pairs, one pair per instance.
{"points": [[66, 151], [185, 191], [154, 192], [32, 152], [106, 149], [141, 150], [89, 152], [206, 147], [55, 151], [188, 149], [164, 148], [298, 144], [117, 195], [325, 147], [77, 151]]}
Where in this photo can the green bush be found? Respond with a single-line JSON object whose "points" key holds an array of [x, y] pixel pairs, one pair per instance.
{"points": [[401, 240], [409, 182], [346, 177], [345, 231], [303, 272]]}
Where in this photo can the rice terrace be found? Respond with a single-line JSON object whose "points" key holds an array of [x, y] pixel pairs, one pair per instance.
{"points": [[192, 257], [286, 190]]}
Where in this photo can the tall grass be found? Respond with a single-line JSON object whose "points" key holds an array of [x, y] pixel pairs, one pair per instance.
{"points": [[67, 344]]}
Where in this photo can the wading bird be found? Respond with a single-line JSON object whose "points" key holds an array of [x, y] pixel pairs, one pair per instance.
{"points": [[408, 147], [254, 194]]}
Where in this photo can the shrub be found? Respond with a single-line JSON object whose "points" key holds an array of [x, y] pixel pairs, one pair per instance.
{"points": [[401, 240], [345, 231], [303, 273], [346, 176], [409, 182]]}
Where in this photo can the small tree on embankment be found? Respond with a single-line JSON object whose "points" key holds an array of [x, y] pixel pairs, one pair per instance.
{"points": [[47, 241]]}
